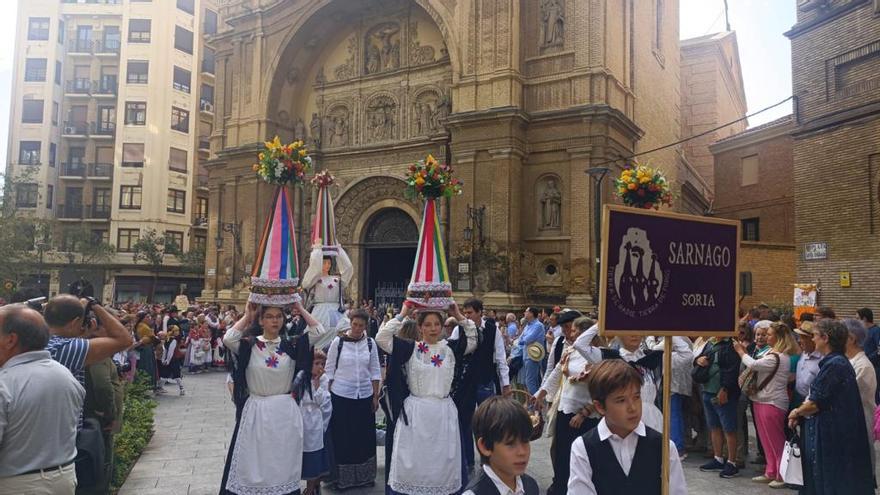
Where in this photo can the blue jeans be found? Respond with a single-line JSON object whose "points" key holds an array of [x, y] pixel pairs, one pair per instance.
{"points": [[531, 375], [676, 426]]}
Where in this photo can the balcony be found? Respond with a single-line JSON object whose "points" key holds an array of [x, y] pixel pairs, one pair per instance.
{"points": [[204, 144], [103, 129], [79, 86], [69, 212], [206, 106], [75, 129], [107, 47], [107, 87], [101, 171], [208, 65], [94, 2], [202, 181], [201, 222], [82, 212], [79, 46], [99, 212], [73, 170]]}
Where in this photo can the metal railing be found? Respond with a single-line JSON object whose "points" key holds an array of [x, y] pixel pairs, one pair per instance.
{"points": [[76, 45], [73, 169], [105, 87], [75, 129], [200, 221], [101, 170], [103, 128], [79, 86], [204, 144], [202, 181], [74, 211], [105, 46]]}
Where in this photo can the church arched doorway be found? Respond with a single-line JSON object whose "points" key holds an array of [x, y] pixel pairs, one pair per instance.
{"points": [[389, 250]]}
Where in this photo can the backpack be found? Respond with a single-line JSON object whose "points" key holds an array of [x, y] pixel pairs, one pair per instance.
{"points": [[339, 348]]}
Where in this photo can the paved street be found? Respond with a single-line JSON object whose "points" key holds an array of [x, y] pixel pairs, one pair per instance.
{"points": [[187, 451]]}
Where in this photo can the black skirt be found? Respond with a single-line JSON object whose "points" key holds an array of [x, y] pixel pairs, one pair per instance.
{"points": [[353, 426]]}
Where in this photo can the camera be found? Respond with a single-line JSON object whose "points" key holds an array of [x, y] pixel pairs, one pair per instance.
{"points": [[36, 303]]}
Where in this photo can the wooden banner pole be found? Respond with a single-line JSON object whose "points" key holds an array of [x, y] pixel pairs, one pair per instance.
{"points": [[667, 409]]}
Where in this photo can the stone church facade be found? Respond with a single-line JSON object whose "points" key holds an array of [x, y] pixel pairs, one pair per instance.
{"points": [[522, 96]]}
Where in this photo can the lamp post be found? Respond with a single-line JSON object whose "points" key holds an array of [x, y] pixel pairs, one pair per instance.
{"points": [[598, 175], [474, 220], [41, 248]]}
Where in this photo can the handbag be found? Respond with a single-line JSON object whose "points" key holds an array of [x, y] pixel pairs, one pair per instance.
{"points": [[790, 467], [748, 379], [702, 374]]}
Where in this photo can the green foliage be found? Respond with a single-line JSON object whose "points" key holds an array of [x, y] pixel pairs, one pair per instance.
{"points": [[193, 261], [137, 427], [19, 232], [150, 248], [84, 248]]}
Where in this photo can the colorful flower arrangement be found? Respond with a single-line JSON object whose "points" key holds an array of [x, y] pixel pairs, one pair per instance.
{"points": [[429, 178], [643, 187], [282, 163], [323, 179]]}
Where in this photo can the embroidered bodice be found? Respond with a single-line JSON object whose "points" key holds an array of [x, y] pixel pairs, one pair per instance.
{"points": [[430, 370], [270, 371], [325, 288]]}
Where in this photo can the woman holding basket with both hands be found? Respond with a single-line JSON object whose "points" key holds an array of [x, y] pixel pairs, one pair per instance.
{"points": [[266, 451], [426, 455]]}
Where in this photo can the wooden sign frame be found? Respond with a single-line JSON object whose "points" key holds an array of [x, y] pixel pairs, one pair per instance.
{"points": [[603, 273]]}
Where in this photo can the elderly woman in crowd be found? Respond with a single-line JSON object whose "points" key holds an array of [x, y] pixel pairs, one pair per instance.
{"points": [[836, 459], [767, 387], [865, 375]]}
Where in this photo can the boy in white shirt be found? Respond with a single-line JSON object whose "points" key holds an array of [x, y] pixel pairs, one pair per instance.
{"points": [[621, 456]]}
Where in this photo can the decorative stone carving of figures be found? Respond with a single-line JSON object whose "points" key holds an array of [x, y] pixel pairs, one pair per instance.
{"points": [[373, 57], [390, 52], [440, 112], [425, 118], [299, 130], [553, 22], [338, 132], [315, 130], [551, 206]]}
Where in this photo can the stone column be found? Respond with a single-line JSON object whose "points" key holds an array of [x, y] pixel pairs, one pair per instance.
{"points": [[580, 212]]}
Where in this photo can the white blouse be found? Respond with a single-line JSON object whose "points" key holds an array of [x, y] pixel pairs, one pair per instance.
{"points": [[431, 367], [316, 411], [325, 288], [270, 370], [775, 392], [358, 368], [575, 395]]}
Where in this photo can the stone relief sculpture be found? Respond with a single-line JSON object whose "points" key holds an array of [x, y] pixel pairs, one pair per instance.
{"points": [[551, 206], [552, 22], [337, 128], [418, 54], [382, 48], [315, 131], [381, 122], [299, 130], [429, 112], [442, 110], [347, 70], [283, 117]]}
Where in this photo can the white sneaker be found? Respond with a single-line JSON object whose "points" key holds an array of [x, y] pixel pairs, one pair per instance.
{"points": [[776, 484], [761, 479]]}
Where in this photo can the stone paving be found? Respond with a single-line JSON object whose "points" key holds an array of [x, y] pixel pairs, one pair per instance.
{"points": [[186, 453]]}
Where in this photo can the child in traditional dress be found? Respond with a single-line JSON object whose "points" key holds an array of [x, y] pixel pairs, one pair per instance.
{"points": [[634, 351], [502, 431], [621, 455], [317, 409]]}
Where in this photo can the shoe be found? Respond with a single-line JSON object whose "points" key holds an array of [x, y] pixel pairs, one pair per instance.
{"points": [[182, 392], [730, 471], [776, 484], [712, 465], [761, 479]]}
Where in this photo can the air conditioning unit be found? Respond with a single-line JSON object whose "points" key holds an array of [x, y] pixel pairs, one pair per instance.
{"points": [[69, 130], [207, 107]]}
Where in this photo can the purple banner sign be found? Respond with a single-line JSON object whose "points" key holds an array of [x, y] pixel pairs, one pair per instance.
{"points": [[668, 273]]}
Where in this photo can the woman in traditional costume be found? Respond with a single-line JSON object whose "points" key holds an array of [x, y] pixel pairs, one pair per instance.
{"points": [[327, 290], [426, 455]]}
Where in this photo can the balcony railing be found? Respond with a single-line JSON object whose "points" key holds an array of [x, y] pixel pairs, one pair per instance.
{"points": [[75, 129], [201, 181], [108, 46], [200, 221], [204, 144], [73, 170], [82, 212], [76, 45], [103, 128], [74, 211], [208, 65], [79, 86], [100, 2], [105, 87], [206, 106], [99, 212], [101, 170]]}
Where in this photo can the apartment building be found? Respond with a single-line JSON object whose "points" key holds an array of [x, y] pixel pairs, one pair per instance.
{"points": [[112, 106]]}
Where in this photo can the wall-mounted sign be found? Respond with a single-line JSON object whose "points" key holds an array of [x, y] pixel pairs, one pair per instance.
{"points": [[464, 268], [845, 280], [211, 272], [815, 251], [668, 273]]}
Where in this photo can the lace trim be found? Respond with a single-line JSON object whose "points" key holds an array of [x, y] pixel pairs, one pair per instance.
{"points": [[274, 300], [355, 475], [233, 485], [413, 489]]}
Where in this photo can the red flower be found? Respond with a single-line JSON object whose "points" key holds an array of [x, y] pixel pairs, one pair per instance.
{"points": [[436, 360], [260, 345]]}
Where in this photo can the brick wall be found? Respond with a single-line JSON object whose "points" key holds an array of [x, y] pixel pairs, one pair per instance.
{"points": [[772, 267]]}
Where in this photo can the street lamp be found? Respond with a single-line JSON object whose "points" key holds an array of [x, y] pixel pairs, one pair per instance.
{"points": [[598, 175], [235, 230]]}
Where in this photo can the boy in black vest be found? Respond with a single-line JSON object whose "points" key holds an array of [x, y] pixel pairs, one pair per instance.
{"points": [[595, 469], [502, 429]]}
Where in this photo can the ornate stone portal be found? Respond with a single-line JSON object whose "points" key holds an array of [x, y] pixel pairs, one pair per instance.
{"points": [[373, 85]]}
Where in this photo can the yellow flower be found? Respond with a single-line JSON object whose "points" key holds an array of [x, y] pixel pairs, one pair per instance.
{"points": [[303, 152], [420, 180], [430, 160], [262, 156], [274, 144], [645, 179]]}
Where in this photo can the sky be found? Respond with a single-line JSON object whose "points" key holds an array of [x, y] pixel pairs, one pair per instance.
{"points": [[764, 52]]}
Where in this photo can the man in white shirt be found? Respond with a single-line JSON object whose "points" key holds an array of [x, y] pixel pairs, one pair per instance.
{"points": [[621, 450]]}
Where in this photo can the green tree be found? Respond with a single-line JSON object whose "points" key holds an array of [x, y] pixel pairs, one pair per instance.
{"points": [[150, 248], [20, 234], [193, 261]]}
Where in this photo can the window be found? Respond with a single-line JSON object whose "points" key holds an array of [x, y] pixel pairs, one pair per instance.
{"points": [[749, 166], [659, 11], [133, 155], [173, 241], [106, 120], [745, 283], [32, 112], [83, 42], [26, 195], [38, 28], [130, 197], [29, 152], [182, 79], [183, 39], [750, 230], [50, 193], [188, 6], [202, 208], [199, 243], [101, 236], [55, 109], [35, 70], [60, 32], [139, 31], [112, 39], [137, 72], [179, 119], [135, 113], [177, 160], [209, 25], [53, 152], [104, 155], [76, 155], [176, 201], [206, 100], [208, 60], [101, 203], [126, 239]]}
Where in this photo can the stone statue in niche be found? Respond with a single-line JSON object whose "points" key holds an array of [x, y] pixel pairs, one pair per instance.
{"points": [[551, 206], [283, 117], [380, 119], [337, 128], [373, 59], [552, 22], [299, 130], [441, 111], [425, 116], [315, 131]]}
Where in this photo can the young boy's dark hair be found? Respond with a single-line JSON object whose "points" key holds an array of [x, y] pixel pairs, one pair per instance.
{"points": [[611, 375], [499, 419]]}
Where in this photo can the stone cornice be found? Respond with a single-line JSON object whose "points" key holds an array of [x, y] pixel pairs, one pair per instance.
{"points": [[832, 14]]}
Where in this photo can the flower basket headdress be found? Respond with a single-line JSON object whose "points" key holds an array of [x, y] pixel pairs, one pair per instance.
{"points": [[645, 187], [275, 275], [324, 225], [430, 286]]}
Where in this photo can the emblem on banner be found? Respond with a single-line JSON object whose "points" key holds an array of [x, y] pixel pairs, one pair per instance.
{"points": [[639, 280]]}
